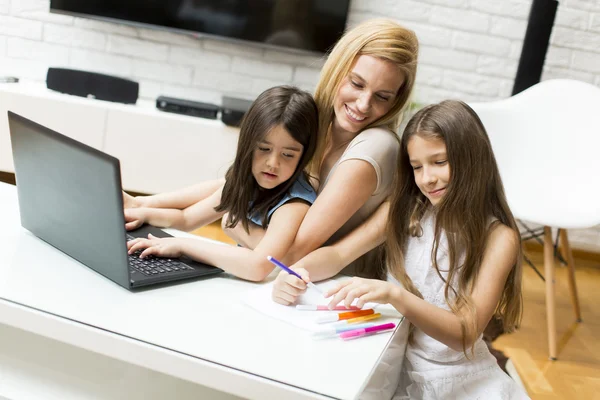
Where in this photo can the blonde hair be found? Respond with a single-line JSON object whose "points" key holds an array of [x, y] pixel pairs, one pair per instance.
{"points": [[473, 206], [380, 38]]}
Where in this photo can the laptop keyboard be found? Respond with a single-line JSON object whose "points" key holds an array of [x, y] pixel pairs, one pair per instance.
{"points": [[152, 265]]}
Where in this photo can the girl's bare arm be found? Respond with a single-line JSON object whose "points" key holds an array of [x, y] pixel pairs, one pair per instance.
{"points": [[178, 199]]}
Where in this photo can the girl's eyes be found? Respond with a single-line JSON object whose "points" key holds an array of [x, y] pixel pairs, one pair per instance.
{"points": [[266, 149], [440, 162], [382, 98], [356, 84]]}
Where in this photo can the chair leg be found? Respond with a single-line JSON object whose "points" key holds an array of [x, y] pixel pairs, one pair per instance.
{"points": [[564, 239], [550, 301]]}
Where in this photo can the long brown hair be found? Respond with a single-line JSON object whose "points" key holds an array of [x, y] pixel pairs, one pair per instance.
{"points": [[297, 112], [474, 197], [380, 38]]}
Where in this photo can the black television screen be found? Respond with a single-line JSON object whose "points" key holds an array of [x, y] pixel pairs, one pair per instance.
{"points": [[311, 25]]}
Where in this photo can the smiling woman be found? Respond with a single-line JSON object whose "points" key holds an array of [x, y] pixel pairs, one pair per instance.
{"points": [[363, 90], [366, 94]]}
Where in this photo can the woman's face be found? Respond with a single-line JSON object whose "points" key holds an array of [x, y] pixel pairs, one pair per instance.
{"points": [[366, 94]]}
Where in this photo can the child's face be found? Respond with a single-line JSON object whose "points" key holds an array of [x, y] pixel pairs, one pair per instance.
{"points": [[275, 158], [429, 161], [366, 94]]}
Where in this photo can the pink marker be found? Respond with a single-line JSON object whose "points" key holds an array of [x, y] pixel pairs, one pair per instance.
{"points": [[310, 307], [356, 333]]}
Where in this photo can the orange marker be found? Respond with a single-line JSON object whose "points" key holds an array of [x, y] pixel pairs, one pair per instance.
{"points": [[344, 315], [358, 319]]}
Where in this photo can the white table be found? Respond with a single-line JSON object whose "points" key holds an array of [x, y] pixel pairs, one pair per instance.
{"points": [[87, 337]]}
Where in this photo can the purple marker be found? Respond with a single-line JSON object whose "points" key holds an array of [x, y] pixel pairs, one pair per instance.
{"points": [[292, 272]]}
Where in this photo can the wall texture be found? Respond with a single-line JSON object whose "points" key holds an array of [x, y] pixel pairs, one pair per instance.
{"points": [[469, 50]]}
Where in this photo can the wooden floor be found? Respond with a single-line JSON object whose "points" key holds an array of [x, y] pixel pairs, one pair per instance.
{"points": [[576, 374], [214, 231]]}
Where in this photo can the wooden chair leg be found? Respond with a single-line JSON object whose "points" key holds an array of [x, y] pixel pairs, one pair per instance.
{"points": [[550, 301], [564, 239]]}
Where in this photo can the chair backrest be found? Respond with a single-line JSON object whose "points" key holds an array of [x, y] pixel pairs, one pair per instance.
{"points": [[546, 140]]}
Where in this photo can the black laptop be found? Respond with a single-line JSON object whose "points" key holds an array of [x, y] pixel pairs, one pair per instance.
{"points": [[70, 196]]}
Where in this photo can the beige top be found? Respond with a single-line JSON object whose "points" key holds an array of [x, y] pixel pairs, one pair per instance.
{"points": [[379, 147]]}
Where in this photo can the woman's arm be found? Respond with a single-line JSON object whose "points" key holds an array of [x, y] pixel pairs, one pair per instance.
{"points": [[326, 262], [179, 199], [347, 190], [241, 262], [187, 219], [498, 260]]}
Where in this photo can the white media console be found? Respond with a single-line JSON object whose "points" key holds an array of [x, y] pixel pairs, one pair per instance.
{"points": [[158, 151]]}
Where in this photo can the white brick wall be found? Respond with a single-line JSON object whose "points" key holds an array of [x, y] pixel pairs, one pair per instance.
{"points": [[574, 50], [96, 61], [74, 37], [480, 38], [469, 49], [4, 6], [19, 27]]}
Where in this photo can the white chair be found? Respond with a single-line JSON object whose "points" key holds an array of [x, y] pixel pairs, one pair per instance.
{"points": [[546, 140]]}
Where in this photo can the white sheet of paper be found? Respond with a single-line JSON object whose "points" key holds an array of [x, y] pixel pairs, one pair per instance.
{"points": [[260, 300]]}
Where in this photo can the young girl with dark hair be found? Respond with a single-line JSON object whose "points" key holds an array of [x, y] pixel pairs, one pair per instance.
{"points": [[266, 185]]}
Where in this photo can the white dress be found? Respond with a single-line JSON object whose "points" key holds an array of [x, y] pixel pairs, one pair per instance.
{"points": [[431, 369]]}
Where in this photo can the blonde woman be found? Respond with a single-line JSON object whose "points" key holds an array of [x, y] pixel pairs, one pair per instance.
{"points": [[363, 90]]}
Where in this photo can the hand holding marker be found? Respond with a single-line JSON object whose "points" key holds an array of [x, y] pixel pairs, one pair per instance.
{"points": [[291, 272], [343, 333]]}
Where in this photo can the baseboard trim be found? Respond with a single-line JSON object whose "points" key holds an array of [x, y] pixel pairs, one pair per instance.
{"points": [[7, 177]]}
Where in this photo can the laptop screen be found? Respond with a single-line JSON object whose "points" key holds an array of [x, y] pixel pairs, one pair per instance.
{"points": [[70, 197]]}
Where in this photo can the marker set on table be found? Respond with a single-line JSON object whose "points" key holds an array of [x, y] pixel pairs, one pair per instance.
{"points": [[350, 324]]}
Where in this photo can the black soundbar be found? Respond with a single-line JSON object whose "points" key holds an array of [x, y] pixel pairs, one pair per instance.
{"points": [[92, 84]]}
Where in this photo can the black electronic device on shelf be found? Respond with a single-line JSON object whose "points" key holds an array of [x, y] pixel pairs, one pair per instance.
{"points": [[187, 107], [233, 110], [92, 84]]}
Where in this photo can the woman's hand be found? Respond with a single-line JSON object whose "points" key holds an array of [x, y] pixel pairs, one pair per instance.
{"points": [[287, 287], [135, 217], [160, 247], [324, 262], [364, 291]]}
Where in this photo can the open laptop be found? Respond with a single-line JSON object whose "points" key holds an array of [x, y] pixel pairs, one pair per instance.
{"points": [[70, 196]]}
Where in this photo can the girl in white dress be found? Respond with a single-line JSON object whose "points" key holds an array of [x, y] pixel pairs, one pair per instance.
{"points": [[452, 254]]}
